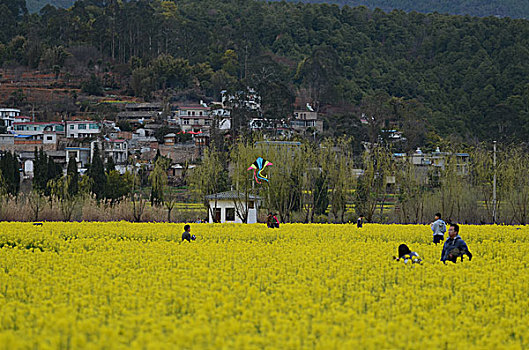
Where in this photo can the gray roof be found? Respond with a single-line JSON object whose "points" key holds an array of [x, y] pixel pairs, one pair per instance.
{"points": [[232, 195]]}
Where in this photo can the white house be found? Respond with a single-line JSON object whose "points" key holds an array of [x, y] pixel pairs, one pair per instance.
{"points": [[117, 149], [304, 119], [8, 116], [82, 156], [194, 118], [37, 128], [80, 129], [228, 206], [9, 112]]}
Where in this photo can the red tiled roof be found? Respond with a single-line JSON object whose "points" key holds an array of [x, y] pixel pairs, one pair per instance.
{"points": [[195, 117], [37, 123], [192, 107]]}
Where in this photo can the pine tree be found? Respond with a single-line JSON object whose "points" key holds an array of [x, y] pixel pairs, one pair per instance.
{"points": [[40, 170], [53, 172], [110, 165], [73, 185], [16, 173], [10, 172], [97, 174]]}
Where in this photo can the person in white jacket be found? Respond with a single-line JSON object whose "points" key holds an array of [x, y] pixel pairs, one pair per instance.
{"points": [[438, 228]]}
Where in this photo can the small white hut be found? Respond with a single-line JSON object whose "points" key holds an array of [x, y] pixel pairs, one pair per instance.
{"points": [[230, 206]]}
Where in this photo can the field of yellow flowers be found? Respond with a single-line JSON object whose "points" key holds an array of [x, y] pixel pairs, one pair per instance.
{"points": [[123, 285]]}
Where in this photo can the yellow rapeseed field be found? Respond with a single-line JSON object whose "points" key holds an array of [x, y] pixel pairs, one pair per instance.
{"points": [[136, 286]]}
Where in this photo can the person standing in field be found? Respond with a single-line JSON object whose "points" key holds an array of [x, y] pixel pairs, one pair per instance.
{"points": [[360, 221], [438, 228], [186, 236], [454, 247]]}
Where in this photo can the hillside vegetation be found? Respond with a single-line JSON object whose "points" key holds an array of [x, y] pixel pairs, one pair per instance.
{"points": [[480, 8], [37, 5], [449, 74]]}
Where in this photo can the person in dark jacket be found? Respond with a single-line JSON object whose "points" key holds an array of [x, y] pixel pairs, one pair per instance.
{"points": [[186, 236], [454, 247]]}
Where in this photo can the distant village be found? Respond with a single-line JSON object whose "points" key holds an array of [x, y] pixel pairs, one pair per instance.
{"points": [[192, 123], [77, 138]]}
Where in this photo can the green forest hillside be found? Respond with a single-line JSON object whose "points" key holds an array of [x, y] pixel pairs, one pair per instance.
{"points": [[36, 5], [480, 8], [452, 74]]}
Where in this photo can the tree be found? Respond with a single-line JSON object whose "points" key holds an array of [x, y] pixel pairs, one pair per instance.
{"points": [[97, 173], [318, 73], [93, 86], [61, 191], [411, 191], [482, 175], [158, 180], [372, 184], [110, 166], [515, 183], [10, 169], [283, 192], [73, 185], [340, 177], [117, 186], [40, 171], [243, 103], [377, 112], [36, 201], [242, 155], [209, 177]]}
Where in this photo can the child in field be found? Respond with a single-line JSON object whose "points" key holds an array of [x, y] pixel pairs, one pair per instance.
{"points": [[406, 255], [187, 234]]}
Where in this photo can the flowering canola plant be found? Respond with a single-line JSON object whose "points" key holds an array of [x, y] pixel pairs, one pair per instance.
{"points": [[137, 286]]}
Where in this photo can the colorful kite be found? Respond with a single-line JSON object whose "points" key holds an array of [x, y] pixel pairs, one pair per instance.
{"points": [[258, 166]]}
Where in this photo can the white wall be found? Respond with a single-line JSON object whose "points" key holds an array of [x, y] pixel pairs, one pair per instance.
{"points": [[223, 205]]}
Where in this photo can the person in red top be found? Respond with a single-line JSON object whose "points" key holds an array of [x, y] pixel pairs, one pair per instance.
{"points": [[271, 221]]}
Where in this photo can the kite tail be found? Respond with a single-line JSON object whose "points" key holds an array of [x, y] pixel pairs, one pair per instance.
{"points": [[255, 175]]}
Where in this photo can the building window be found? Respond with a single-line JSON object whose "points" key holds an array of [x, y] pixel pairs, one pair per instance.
{"points": [[186, 122], [49, 138], [207, 122], [82, 126], [72, 126], [188, 112], [200, 113], [251, 205], [230, 214], [94, 127]]}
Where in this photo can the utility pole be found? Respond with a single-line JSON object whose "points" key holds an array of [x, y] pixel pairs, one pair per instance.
{"points": [[494, 203]]}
